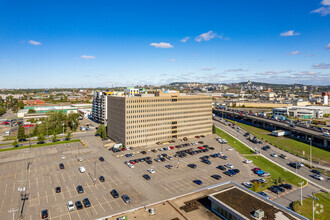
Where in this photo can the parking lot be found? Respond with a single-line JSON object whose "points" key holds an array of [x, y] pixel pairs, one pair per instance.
{"points": [[44, 175]]}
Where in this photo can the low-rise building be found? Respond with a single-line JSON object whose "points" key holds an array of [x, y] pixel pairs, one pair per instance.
{"points": [[302, 111]]}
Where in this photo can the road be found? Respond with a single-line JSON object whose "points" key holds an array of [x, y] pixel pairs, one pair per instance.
{"points": [[304, 171]]}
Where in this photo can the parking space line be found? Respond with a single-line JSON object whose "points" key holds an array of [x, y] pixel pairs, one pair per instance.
{"points": [[107, 202], [100, 204]]}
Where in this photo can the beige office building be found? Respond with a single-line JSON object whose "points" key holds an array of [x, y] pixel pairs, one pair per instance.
{"points": [[158, 116]]}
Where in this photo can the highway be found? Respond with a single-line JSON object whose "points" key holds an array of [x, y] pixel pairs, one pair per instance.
{"points": [[303, 130], [303, 171]]}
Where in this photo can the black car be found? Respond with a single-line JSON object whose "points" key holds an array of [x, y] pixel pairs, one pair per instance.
{"points": [[149, 161], [80, 189], [217, 177], [146, 176], [44, 214], [264, 148], [286, 186], [61, 165], [228, 173], [280, 188], [143, 152], [126, 198], [101, 159], [224, 157], [58, 189], [162, 159], [114, 193], [206, 162], [154, 150], [192, 165], [101, 178], [236, 170], [317, 172], [204, 157], [221, 167], [211, 148], [86, 202], [295, 165], [274, 190], [79, 205]]}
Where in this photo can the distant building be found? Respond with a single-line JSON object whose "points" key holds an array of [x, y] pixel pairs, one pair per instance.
{"points": [[302, 111], [34, 102], [158, 116], [100, 107]]}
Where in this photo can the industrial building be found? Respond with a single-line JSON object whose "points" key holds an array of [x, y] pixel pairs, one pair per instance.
{"points": [[156, 116], [302, 111]]}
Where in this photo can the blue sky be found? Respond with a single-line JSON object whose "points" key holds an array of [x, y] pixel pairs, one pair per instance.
{"points": [[55, 43]]}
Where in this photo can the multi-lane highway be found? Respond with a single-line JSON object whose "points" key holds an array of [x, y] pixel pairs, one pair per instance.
{"points": [[303, 171]]}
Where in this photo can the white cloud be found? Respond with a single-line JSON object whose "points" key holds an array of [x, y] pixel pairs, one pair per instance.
{"points": [[275, 72], [161, 45], [327, 47], [324, 10], [207, 36], [184, 40], [172, 60], [236, 70], [304, 74], [208, 68], [87, 57], [289, 33], [35, 43], [321, 66], [294, 53]]}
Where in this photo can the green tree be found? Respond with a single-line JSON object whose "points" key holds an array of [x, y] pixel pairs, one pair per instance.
{"points": [[213, 129], [15, 143], [2, 111], [68, 136], [54, 138], [104, 133], [31, 111], [101, 131], [21, 133], [280, 180], [41, 138]]}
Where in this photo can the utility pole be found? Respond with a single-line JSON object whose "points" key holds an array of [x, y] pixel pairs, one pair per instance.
{"points": [[95, 173], [12, 210], [301, 184], [310, 152]]}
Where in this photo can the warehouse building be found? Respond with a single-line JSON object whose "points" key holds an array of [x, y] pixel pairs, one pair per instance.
{"points": [[302, 111], [157, 116]]}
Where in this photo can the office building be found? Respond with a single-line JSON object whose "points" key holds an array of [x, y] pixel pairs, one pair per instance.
{"points": [[158, 116], [99, 110]]}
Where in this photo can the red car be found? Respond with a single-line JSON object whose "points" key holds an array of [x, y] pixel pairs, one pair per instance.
{"points": [[172, 147], [5, 122], [255, 169], [25, 126], [132, 162], [202, 148], [197, 136], [123, 149]]}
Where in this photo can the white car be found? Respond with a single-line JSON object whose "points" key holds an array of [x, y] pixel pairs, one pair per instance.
{"points": [[62, 157], [273, 155], [80, 159], [247, 161], [318, 177], [82, 169], [130, 165], [247, 184], [262, 180], [230, 148], [151, 170], [70, 206], [229, 166]]}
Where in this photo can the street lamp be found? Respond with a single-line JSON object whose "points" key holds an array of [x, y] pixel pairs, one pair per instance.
{"points": [[313, 198], [310, 152], [301, 184]]}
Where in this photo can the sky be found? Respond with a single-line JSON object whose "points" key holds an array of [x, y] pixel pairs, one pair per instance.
{"points": [[56, 43]]}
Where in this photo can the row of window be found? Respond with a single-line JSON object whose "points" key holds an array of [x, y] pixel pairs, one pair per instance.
{"points": [[169, 99], [166, 113], [177, 118], [208, 103], [206, 107]]}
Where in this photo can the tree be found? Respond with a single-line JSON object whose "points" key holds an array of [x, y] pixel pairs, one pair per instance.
{"points": [[54, 138], [280, 180], [2, 111], [41, 138], [104, 133], [31, 111], [21, 133], [213, 129], [15, 143], [101, 131], [68, 136]]}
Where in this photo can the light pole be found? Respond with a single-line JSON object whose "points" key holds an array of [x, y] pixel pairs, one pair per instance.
{"points": [[310, 152], [313, 198], [12, 210], [301, 184]]}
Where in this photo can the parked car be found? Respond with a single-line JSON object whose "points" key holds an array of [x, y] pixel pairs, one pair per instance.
{"points": [[318, 177], [264, 195], [262, 180], [114, 193], [86, 202], [316, 172], [101, 178], [255, 169], [279, 188], [192, 165], [228, 173], [247, 184], [247, 161], [82, 169], [206, 162], [70, 206], [274, 190], [78, 205], [58, 189], [286, 186], [80, 189], [126, 198], [101, 159], [265, 174], [221, 167], [283, 156], [44, 214], [229, 166], [259, 172], [61, 165], [236, 170], [198, 182], [273, 155], [230, 148], [217, 177], [146, 176], [151, 170]]}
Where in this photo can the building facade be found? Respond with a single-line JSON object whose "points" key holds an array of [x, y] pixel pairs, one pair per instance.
{"points": [[158, 116], [302, 111], [100, 107]]}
